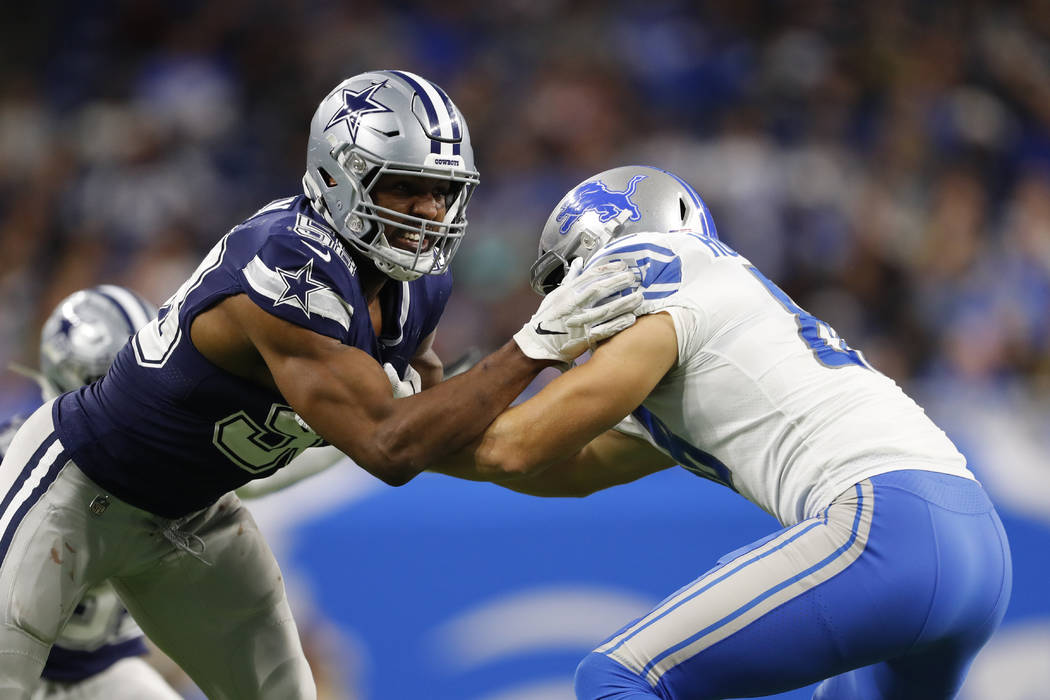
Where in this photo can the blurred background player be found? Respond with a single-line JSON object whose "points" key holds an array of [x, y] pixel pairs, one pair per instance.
{"points": [[101, 651], [273, 345], [892, 568]]}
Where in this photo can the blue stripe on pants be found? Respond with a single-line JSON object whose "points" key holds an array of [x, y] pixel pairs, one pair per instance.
{"points": [[911, 611]]}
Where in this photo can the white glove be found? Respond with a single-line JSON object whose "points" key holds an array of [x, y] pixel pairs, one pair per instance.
{"points": [[585, 308], [411, 384]]}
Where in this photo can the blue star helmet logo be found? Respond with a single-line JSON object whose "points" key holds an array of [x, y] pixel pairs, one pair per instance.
{"points": [[596, 196], [357, 105], [298, 286]]}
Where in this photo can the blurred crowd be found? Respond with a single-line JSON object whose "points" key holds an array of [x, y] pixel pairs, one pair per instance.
{"points": [[888, 164]]}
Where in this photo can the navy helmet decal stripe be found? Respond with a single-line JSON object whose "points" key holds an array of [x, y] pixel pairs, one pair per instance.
{"points": [[416, 83], [130, 307], [456, 132]]}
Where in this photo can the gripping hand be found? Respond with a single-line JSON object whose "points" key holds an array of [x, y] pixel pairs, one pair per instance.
{"points": [[587, 307], [411, 384]]}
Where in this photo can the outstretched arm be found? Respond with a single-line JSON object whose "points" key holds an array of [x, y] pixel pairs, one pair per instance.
{"points": [[315, 460], [556, 430], [610, 459], [345, 396]]}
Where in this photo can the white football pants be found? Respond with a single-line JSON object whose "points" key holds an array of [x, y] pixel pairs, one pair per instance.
{"points": [[205, 588]]}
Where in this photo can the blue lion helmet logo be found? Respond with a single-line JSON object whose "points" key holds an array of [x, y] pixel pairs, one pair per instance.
{"points": [[595, 196]]}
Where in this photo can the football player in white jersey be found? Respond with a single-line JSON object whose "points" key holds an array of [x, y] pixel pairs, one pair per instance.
{"points": [[100, 654], [891, 569]]}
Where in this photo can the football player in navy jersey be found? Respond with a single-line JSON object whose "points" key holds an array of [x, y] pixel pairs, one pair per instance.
{"points": [[99, 654], [890, 569], [310, 322]]}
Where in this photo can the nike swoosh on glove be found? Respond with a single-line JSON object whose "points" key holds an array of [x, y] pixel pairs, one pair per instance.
{"points": [[587, 307], [411, 384]]}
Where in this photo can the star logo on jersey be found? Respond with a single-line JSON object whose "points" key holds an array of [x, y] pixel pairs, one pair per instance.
{"points": [[298, 286], [356, 105]]}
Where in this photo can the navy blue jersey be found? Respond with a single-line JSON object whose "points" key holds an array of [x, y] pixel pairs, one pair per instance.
{"points": [[168, 431]]}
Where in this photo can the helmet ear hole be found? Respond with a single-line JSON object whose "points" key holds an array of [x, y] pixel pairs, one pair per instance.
{"points": [[326, 178], [683, 210]]}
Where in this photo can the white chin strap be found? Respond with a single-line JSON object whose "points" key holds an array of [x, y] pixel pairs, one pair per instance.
{"points": [[401, 264], [397, 263], [397, 272]]}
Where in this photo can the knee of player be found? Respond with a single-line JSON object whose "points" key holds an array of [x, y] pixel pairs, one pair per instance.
{"points": [[598, 676]]}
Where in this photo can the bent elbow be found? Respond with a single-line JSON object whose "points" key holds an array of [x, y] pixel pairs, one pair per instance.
{"points": [[395, 477], [392, 464], [391, 472], [496, 462]]}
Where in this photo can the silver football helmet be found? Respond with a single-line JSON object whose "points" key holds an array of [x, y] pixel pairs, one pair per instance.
{"points": [[83, 334], [614, 203], [390, 122]]}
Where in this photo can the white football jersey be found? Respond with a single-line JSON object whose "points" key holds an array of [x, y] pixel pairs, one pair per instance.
{"points": [[765, 397]]}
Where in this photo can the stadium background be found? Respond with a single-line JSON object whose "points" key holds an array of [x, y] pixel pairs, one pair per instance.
{"points": [[888, 164]]}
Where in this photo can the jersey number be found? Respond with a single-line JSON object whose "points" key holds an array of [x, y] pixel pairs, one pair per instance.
{"points": [[156, 340], [692, 458], [828, 347], [257, 448]]}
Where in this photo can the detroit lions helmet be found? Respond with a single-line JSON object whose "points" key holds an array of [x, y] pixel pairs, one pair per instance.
{"points": [[614, 203], [83, 334], [390, 122]]}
